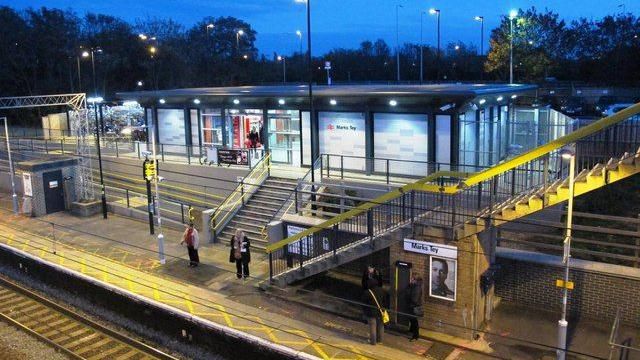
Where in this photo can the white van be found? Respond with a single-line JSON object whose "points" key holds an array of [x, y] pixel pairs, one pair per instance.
{"points": [[614, 108]]}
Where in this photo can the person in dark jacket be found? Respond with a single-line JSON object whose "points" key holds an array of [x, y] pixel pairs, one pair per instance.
{"points": [[371, 273], [414, 305], [240, 253], [371, 298]]}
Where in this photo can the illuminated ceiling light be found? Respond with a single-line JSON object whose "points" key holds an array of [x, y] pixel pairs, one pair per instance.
{"points": [[245, 56], [482, 101], [196, 101], [94, 100], [333, 102], [140, 83], [153, 49], [281, 101], [162, 101], [236, 101], [142, 36], [393, 102], [514, 96], [85, 54], [500, 98]]}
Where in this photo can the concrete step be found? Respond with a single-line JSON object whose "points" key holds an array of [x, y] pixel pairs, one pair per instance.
{"points": [[261, 195], [264, 203]]}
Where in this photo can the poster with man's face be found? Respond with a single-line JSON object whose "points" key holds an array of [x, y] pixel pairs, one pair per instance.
{"points": [[442, 276]]}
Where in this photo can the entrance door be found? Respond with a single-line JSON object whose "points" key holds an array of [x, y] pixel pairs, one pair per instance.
{"points": [[53, 192], [402, 275]]}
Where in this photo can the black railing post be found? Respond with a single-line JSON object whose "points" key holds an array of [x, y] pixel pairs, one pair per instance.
{"points": [[188, 156], [545, 179], [271, 267], [453, 211], [300, 253], [242, 191], [341, 166], [403, 210], [370, 227], [513, 181], [479, 195], [162, 151], [295, 201], [126, 191], [213, 229], [413, 207], [334, 240], [182, 212], [62, 145], [387, 171]]}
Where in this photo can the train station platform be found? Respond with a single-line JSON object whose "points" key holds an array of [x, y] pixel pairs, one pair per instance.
{"points": [[119, 252]]}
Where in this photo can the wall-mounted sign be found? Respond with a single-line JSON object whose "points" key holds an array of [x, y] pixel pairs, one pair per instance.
{"points": [[26, 184], [233, 157], [429, 248], [305, 244]]}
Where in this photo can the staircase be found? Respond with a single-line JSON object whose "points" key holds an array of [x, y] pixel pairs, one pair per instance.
{"points": [[258, 210], [508, 191]]}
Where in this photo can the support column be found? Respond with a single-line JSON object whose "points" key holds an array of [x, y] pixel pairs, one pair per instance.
{"points": [[369, 141]]}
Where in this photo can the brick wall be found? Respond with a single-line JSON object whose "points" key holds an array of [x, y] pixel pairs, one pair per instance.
{"points": [[472, 261], [595, 295]]}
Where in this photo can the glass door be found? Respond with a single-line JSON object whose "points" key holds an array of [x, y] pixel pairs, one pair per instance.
{"points": [[284, 136]]}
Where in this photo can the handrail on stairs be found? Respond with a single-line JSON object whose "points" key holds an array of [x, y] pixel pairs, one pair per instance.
{"points": [[467, 180], [223, 213]]}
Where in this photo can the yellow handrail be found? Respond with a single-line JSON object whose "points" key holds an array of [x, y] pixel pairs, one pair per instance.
{"points": [[238, 194], [478, 177]]}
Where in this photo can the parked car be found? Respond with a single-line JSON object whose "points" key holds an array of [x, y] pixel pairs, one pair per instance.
{"points": [[614, 108], [573, 106]]}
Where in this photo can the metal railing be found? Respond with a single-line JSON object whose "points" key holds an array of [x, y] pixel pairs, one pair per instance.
{"points": [[451, 199], [248, 185], [173, 210]]}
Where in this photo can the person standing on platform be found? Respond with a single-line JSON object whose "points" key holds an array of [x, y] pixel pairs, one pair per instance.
{"points": [[191, 239], [372, 307], [414, 305], [240, 253], [371, 273]]}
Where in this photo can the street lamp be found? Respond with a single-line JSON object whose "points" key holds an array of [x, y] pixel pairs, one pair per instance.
{"points": [[422, 13], [238, 34], [299, 35], [156, 180], [95, 101], [436, 12], [567, 153], [284, 68], [14, 197], [512, 15], [481, 19], [209, 27], [398, 6]]}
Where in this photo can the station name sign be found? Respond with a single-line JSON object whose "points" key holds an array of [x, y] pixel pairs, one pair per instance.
{"points": [[429, 248]]}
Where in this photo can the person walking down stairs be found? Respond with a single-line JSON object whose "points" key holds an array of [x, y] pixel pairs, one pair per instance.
{"points": [[240, 253]]}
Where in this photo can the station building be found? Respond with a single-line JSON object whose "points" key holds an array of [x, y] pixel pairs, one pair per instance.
{"points": [[463, 124]]}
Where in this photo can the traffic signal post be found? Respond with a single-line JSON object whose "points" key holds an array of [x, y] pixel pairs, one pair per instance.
{"points": [[148, 173]]}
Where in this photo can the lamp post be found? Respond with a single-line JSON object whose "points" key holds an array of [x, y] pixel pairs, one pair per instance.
{"points": [[156, 180], [481, 19], [299, 35], [284, 68], [95, 101], [209, 27], [421, 46], [436, 12], [567, 153], [93, 66], [14, 197], [238, 34], [512, 15], [398, 6]]}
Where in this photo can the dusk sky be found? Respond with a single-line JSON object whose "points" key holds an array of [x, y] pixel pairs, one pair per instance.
{"points": [[340, 23]]}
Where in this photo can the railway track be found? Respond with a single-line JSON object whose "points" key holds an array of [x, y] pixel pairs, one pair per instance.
{"points": [[71, 333]]}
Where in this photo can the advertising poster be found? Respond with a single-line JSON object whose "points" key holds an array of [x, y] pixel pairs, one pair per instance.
{"points": [[233, 157], [26, 182], [236, 132], [442, 278]]}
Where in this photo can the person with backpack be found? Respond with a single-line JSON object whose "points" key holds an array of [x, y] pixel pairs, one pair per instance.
{"points": [[192, 241]]}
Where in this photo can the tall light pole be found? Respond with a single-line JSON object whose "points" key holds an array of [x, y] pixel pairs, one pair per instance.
{"points": [[284, 67], [238, 34], [209, 27], [436, 12], [79, 80], [398, 6], [421, 46], [12, 174], [481, 19], [567, 153], [299, 35], [156, 180], [512, 15], [95, 101]]}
